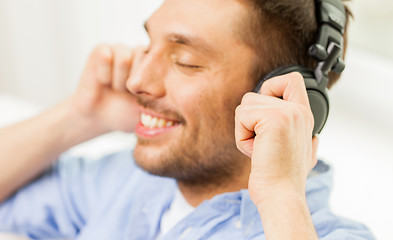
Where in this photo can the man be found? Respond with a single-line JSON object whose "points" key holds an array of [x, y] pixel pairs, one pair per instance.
{"points": [[181, 96]]}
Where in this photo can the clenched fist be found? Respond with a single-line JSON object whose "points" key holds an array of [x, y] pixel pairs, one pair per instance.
{"points": [[274, 128]]}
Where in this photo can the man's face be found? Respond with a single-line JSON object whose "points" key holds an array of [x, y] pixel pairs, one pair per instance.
{"points": [[189, 82]]}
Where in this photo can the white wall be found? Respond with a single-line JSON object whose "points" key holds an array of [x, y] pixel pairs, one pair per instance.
{"points": [[358, 141], [44, 44], [373, 26]]}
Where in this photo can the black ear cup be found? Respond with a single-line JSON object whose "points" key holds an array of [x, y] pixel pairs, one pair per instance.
{"points": [[319, 101]]}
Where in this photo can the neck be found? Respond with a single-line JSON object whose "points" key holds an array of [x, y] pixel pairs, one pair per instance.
{"points": [[195, 194]]}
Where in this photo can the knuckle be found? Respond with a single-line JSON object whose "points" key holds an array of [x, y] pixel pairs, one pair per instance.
{"points": [[284, 116], [122, 56], [297, 78], [300, 115], [296, 113], [102, 53], [247, 97], [310, 117], [238, 110], [123, 63], [240, 114], [305, 111]]}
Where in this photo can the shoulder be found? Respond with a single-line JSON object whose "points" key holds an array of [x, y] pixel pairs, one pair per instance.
{"points": [[116, 164], [327, 224], [98, 175], [87, 182]]}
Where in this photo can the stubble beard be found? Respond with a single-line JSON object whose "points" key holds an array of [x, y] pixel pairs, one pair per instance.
{"points": [[193, 161]]}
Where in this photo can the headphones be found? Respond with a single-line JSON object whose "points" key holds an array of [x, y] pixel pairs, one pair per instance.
{"points": [[328, 51]]}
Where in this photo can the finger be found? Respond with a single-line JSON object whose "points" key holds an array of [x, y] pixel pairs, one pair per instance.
{"points": [[248, 124], [121, 67], [103, 58], [252, 98], [290, 87], [244, 135]]}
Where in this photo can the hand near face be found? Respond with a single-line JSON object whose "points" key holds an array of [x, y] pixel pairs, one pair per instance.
{"points": [[277, 135], [102, 96]]}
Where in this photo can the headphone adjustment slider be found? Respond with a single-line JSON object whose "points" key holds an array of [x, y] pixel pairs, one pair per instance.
{"points": [[318, 52]]}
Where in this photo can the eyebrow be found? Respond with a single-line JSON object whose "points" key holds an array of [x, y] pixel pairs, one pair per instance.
{"points": [[187, 40]]}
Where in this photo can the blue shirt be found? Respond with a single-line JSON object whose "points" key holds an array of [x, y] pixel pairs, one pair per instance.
{"points": [[112, 198]]}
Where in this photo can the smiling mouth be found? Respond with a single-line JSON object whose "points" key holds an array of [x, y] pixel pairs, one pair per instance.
{"points": [[153, 126], [156, 122]]}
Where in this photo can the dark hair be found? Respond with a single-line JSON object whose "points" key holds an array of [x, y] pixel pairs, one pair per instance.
{"points": [[281, 31]]}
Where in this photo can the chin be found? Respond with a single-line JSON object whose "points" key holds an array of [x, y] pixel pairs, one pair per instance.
{"points": [[147, 157], [186, 164], [156, 159]]}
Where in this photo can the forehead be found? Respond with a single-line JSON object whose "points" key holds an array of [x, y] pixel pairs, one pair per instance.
{"points": [[216, 21]]}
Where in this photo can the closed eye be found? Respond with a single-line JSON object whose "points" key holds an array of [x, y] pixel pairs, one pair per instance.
{"points": [[188, 66]]}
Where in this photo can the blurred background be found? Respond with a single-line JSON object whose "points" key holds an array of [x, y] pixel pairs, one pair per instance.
{"points": [[45, 43]]}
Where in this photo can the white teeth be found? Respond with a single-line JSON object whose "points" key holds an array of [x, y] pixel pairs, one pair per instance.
{"points": [[146, 120], [153, 122], [161, 123]]}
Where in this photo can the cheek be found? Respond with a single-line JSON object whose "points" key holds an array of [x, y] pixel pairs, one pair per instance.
{"points": [[192, 105], [206, 107], [198, 104], [211, 113]]}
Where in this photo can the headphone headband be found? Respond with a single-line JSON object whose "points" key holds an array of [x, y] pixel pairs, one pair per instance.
{"points": [[327, 50]]}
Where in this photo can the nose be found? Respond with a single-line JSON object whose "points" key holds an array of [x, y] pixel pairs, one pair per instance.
{"points": [[147, 75]]}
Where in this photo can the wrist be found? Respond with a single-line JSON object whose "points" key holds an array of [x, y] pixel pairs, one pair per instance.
{"points": [[278, 192], [285, 215], [74, 126], [281, 197]]}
